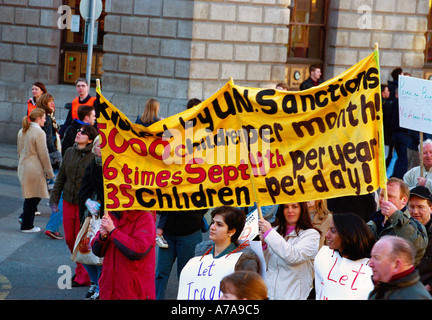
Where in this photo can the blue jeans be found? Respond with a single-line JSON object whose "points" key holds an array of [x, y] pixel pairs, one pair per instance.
{"points": [[180, 247], [94, 272], [56, 218]]}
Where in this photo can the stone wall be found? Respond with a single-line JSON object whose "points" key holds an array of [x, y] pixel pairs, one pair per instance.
{"points": [[398, 26], [30, 39], [179, 49], [245, 40]]}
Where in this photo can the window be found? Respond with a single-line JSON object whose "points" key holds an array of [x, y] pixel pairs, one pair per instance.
{"points": [[307, 29], [74, 46]]}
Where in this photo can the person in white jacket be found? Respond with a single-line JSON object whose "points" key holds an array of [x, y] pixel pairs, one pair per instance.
{"points": [[289, 246]]}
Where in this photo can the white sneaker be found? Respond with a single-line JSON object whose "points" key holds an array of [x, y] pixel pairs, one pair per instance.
{"points": [[34, 229], [161, 242]]}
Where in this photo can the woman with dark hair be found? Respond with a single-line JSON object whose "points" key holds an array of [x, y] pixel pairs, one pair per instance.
{"points": [[290, 246], [225, 229], [76, 159], [223, 253], [341, 267]]}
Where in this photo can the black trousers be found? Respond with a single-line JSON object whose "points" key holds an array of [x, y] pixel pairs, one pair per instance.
{"points": [[28, 215]]}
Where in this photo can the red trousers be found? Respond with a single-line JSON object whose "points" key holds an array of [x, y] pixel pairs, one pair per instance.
{"points": [[71, 226]]}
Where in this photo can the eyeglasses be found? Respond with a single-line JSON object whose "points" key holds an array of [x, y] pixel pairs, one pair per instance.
{"points": [[82, 132]]}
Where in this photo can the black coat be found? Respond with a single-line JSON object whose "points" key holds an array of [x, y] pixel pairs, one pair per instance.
{"points": [[308, 83], [92, 183]]}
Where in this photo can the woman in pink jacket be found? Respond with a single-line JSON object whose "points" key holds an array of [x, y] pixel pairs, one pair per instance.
{"points": [[126, 240]]}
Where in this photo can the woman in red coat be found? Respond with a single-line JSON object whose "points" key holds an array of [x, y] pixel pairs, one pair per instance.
{"points": [[126, 240]]}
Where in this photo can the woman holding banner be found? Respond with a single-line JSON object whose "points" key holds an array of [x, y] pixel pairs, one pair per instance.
{"points": [[226, 227], [68, 182], [126, 240], [289, 249], [220, 256], [341, 268]]}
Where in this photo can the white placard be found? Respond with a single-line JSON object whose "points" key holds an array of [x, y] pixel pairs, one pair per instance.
{"points": [[415, 104], [338, 278], [201, 276], [75, 23], [251, 228]]}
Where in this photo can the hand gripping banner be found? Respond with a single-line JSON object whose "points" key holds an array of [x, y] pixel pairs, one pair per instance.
{"points": [[244, 145]]}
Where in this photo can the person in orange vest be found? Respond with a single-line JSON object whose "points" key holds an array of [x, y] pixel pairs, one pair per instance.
{"points": [[38, 89], [83, 98]]}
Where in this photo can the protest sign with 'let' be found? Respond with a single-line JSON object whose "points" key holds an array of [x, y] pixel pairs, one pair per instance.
{"points": [[201, 276], [339, 278]]}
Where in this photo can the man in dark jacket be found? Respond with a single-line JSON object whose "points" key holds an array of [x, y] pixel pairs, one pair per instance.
{"points": [[394, 218], [86, 115], [394, 274], [314, 78], [420, 208]]}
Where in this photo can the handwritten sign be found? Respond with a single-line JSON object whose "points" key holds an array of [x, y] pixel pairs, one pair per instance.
{"points": [[284, 146], [338, 278], [415, 104], [201, 276], [251, 229]]}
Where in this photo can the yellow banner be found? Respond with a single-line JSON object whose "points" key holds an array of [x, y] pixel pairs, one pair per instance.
{"points": [[244, 145]]}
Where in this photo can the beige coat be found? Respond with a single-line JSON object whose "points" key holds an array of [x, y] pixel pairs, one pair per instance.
{"points": [[34, 164]]}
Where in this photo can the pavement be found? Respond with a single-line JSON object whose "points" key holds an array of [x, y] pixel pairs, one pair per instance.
{"points": [[17, 247], [8, 156]]}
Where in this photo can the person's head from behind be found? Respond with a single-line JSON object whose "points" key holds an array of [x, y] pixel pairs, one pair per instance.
{"points": [[87, 114], [391, 255], [96, 147], [282, 86], [227, 224], [192, 103], [243, 285], [37, 115], [395, 73], [350, 235], [318, 206], [151, 111]]}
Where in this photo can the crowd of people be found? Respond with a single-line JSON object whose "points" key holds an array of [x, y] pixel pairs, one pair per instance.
{"points": [[309, 248]]}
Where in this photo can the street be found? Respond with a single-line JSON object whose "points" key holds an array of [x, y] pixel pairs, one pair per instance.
{"points": [[29, 262], [32, 265]]}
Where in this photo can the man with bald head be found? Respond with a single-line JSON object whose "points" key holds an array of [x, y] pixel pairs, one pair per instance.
{"points": [[394, 274]]}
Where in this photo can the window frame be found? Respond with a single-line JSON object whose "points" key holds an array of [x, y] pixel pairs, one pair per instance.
{"points": [[323, 34]]}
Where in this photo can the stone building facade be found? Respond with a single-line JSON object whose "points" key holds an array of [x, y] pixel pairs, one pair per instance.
{"points": [[179, 49], [397, 26]]}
